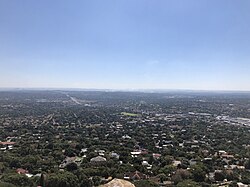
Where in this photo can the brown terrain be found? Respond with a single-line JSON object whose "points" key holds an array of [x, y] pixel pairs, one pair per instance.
{"points": [[118, 183]]}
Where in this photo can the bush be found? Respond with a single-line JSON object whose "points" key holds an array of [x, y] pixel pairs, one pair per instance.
{"points": [[145, 183], [18, 180], [5, 184], [65, 179]]}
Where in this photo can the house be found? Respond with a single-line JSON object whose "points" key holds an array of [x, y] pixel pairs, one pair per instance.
{"points": [[84, 150], [69, 160], [156, 156], [210, 176], [100, 152], [144, 152], [7, 143], [227, 156], [135, 176], [158, 180], [22, 171], [78, 161], [98, 160], [66, 161], [221, 152], [135, 153], [114, 155], [176, 163], [239, 184], [145, 163], [29, 175], [126, 137], [192, 162]]}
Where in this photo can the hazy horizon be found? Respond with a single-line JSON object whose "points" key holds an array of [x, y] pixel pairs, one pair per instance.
{"points": [[125, 45], [122, 90]]}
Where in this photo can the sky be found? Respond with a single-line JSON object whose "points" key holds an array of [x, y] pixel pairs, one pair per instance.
{"points": [[125, 44]]}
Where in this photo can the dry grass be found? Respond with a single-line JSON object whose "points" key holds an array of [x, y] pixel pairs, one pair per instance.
{"points": [[118, 183]]}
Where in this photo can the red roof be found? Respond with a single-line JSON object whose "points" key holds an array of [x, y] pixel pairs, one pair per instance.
{"points": [[22, 171], [7, 143], [156, 155], [136, 175]]}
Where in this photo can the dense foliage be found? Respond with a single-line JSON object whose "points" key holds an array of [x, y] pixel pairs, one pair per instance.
{"points": [[49, 138]]}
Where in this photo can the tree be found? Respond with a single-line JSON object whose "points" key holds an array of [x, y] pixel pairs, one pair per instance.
{"points": [[219, 176], [69, 152], [96, 180], [18, 180], [162, 177], [167, 169], [84, 181], [65, 179], [42, 180], [71, 166], [2, 167], [15, 163], [176, 179], [181, 175], [145, 183], [247, 164], [245, 178], [4, 184], [233, 184], [188, 183], [199, 172]]}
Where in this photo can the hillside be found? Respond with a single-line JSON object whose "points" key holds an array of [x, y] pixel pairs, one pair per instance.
{"points": [[118, 183]]}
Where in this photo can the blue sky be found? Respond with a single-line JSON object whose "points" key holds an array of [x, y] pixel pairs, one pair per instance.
{"points": [[125, 44]]}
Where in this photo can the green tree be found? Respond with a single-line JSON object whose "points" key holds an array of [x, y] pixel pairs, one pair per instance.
{"points": [[245, 178], [18, 180], [181, 175], [199, 172], [233, 184], [71, 166], [188, 183], [85, 181], [65, 179], [145, 183], [168, 169], [162, 177], [96, 180], [219, 176], [4, 184], [247, 164]]}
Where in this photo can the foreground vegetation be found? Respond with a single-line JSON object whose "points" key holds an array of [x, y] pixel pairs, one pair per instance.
{"points": [[83, 139]]}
